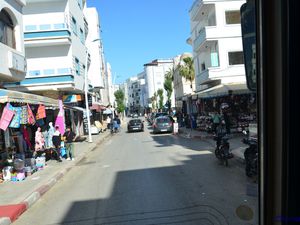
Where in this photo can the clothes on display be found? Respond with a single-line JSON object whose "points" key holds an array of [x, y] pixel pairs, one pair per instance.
{"points": [[6, 117]]}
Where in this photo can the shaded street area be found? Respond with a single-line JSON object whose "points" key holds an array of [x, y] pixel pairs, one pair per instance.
{"points": [[140, 178]]}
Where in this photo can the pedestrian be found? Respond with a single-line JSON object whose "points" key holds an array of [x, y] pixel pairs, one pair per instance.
{"points": [[69, 137], [51, 131], [118, 122], [108, 121], [56, 140]]}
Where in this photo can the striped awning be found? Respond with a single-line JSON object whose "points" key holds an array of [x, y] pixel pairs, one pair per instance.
{"points": [[21, 97]]}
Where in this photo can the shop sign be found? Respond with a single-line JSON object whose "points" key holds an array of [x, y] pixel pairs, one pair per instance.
{"points": [[90, 100], [85, 126]]}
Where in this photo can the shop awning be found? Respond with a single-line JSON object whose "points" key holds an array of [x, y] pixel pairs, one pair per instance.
{"points": [[107, 111], [224, 90], [97, 106], [20, 97]]}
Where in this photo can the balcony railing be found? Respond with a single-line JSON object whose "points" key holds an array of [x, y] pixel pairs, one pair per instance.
{"points": [[46, 27], [49, 72], [200, 38]]}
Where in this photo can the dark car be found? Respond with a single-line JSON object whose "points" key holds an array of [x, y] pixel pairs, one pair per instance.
{"points": [[162, 124], [135, 125]]}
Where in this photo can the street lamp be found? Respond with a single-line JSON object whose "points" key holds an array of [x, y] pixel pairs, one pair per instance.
{"points": [[86, 91]]}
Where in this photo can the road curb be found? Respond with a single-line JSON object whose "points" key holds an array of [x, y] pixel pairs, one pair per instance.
{"points": [[10, 213]]}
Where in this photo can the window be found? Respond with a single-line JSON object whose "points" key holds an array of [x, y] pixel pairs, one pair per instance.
{"points": [[77, 66], [235, 58], [7, 34], [30, 27], [233, 17], [34, 73], [203, 66], [45, 27], [74, 26], [79, 3], [81, 36]]}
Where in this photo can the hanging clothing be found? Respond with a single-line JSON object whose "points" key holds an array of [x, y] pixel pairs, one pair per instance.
{"points": [[6, 117], [24, 115], [26, 137], [41, 112], [39, 141], [31, 119], [15, 123]]}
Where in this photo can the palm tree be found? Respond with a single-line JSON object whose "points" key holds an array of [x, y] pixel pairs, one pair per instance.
{"points": [[160, 93], [187, 70], [168, 86]]}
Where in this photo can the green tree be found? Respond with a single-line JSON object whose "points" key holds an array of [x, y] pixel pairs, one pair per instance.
{"points": [[154, 101], [187, 70], [160, 93], [119, 95], [168, 86]]}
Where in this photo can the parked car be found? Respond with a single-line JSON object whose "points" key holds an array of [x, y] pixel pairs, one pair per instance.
{"points": [[162, 124], [135, 125]]}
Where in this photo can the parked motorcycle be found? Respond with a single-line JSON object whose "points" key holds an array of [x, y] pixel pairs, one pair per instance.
{"points": [[251, 157], [222, 150]]}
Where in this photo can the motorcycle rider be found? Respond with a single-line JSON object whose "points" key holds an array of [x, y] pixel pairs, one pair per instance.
{"points": [[220, 132]]}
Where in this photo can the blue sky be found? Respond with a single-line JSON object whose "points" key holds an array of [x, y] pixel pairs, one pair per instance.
{"points": [[135, 32]]}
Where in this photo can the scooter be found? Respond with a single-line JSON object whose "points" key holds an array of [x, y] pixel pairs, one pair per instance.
{"points": [[222, 150], [251, 157]]}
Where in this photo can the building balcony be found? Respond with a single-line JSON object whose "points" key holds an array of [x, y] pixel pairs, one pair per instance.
{"points": [[12, 64], [47, 35], [205, 34], [48, 79], [200, 9], [216, 75]]}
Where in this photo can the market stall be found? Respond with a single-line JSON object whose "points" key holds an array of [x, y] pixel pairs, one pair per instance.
{"points": [[20, 116]]}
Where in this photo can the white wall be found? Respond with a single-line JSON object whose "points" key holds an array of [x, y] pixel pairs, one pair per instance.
{"points": [[45, 13], [95, 68], [155, 76], [227, 37], [15, 11]]}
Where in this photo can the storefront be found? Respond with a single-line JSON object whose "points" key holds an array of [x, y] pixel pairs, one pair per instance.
{"points": [[234, 100], [21, 114]]}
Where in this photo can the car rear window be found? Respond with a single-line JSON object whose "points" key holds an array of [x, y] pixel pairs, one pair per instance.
{"points": [[163, 120], [135, 121]]}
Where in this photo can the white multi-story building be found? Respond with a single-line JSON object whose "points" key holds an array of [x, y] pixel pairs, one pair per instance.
{"points": [[109, 86], [217, 43], [182, 87], [155, 76], [95, 49], [54, 32], [12, 53]]}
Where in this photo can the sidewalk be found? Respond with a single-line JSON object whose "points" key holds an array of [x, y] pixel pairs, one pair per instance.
{"points": [[17, 197], [236, 145]]}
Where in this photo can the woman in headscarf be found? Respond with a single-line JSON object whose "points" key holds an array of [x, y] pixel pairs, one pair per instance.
{"points": [[56, 139], [50, 135]]}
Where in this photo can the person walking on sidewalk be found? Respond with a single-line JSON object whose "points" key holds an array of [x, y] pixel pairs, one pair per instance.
{"points": [[56, 139], [69, 137]]}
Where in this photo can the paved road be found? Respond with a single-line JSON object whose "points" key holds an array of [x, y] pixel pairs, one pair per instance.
{"points": [[139, 179]]}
